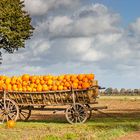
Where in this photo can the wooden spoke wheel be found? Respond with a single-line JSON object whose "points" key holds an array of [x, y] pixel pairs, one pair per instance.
{"points": [[89, 110], [24, 114], [76, 114], [9, 110]]}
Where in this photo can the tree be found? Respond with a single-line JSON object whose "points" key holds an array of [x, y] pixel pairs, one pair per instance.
{"points": [[109, 91], [15, 25]]}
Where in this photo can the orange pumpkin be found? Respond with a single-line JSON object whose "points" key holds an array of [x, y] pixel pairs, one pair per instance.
{"points": [[24, 89], [37, 81], [90, 76], [34, 89], [45, 78], [57, 83], [13, 80], [50, 82], [32, 85], [75, 85], [60, 78], [19, 86], [25, 77], [67, 77], [80, 77], [19, 80], [2, 77], [42, 82], [73, 77], [39, 88], [20, 89], [79, 87], [8, 80], [29, 88], [85, 85], [8, 87], [10, 124], [32, 79], [76, 80], [45, 88], [60, 87], [54, 87], [67, 84], [14, 88], [65, 88], [85, 79], [24, 83]]}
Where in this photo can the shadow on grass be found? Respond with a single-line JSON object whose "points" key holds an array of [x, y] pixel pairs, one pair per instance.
{"points": [[105, 119]]}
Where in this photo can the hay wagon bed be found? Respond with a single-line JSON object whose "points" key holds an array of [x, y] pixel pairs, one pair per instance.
{"points": [[77, 103]]}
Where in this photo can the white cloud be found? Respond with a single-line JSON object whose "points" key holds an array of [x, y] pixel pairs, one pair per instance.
{"points": [[86, 22], [41, 7], [135, 27]]}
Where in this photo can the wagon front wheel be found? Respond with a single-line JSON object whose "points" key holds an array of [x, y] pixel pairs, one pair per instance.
{"points": [[24, 115], [76, 113], [8, 110], [89, 110]]}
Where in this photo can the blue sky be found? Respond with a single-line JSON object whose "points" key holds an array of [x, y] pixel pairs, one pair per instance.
{"points": [[128, 9], [82, 36]]}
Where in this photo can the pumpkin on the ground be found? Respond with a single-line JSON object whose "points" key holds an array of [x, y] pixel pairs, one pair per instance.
{"points": [[10, 124]]}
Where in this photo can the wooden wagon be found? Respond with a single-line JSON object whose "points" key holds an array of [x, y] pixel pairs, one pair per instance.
{"points": [[20, 104]]}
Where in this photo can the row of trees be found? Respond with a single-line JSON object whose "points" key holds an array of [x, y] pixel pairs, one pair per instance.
{"points": [[110, 91], [15, 25]]}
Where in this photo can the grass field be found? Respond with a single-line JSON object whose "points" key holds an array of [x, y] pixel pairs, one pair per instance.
{"points": [[100, 127]]}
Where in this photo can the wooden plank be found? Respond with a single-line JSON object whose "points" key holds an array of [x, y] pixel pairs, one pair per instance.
{"points": [[21, 98], [55, 98], [60, 91], [83, 96], [60, 98], [44, 99], [32, 98], [99, 107], [49, 98], [18, 97], [25, 98], [15, 98], [25, 104]]}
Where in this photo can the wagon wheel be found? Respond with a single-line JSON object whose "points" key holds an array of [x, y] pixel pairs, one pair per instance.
{"points": [[76, 114], [24, 115], [89, 110], [9, 110]]}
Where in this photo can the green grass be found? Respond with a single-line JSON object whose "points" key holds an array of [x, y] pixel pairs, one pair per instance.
{"points": [[95, 129]]}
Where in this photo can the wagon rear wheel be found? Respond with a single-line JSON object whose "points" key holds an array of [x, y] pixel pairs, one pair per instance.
{"points": [[24, 114], [76, 114], [9, 110]]}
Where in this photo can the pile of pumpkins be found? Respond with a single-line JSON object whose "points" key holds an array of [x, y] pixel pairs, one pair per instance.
{"points": [[34, 83]]}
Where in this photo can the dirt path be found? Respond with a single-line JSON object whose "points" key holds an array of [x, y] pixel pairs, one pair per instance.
{"points": [[131, 136], [116, 108]]}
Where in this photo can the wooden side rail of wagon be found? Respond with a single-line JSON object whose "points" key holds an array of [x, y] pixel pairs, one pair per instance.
{"points": [[77, 103]]}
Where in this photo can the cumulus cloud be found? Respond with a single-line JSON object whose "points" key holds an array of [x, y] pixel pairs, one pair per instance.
{"points": [[87, 21], [88, 39], [41, 7], [134, 27]]}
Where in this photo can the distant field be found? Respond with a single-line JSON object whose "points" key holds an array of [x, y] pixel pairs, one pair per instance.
{"points": [[121, 118], [121, 97]]}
